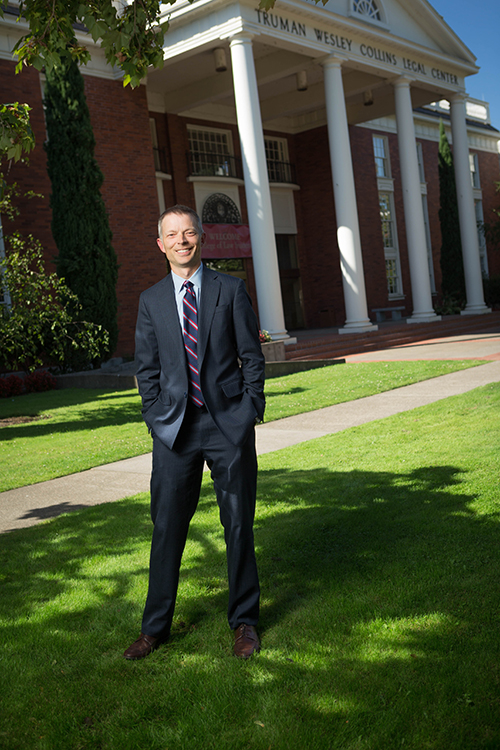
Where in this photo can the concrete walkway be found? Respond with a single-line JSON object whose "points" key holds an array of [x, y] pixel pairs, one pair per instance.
{"points": [[27, 506]]}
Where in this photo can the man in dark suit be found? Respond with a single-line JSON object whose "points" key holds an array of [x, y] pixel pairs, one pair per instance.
{"points": [[200, 372]]}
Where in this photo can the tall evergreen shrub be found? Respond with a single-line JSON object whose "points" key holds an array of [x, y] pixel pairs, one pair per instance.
{"points": [[452, 267], [80, 227]]}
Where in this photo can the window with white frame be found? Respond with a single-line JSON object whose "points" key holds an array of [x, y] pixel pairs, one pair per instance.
{"points": [[210, 151], [474, 171], [158, 153], [367, 8], [389, 236], [278, 165], [381, 152], [483, 256], [420, 159]]}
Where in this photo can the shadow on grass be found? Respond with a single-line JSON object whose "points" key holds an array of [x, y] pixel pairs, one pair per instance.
{"points": [[315, 530], [286, 392], [344, 558], [93, 420]]}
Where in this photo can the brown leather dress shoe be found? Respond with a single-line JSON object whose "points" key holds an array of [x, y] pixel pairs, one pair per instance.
{"points": [[142, 647], [246, 641]]}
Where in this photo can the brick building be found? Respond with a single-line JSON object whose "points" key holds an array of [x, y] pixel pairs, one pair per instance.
{"points": [[307, 139]]}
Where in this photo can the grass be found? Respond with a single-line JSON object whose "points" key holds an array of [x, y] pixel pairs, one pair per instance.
{"points": [[80, 429], [379, 560]]}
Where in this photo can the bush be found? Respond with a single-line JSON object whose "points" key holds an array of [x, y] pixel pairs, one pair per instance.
{"points": [[450, 305], [43, 325], [11, 386], [41, 380], [491, 288]]}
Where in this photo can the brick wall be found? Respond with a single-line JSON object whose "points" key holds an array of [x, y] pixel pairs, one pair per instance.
{"points": [[124, 153], [430, 151], [35, 214], [317, 240], [365, 180]]}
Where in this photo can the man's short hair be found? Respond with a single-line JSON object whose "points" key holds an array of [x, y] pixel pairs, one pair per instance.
{"points": [[179, 211]]}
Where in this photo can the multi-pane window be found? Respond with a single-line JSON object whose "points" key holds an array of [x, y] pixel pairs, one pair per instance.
{"points": [[474, 171], [279, 168], [380, 150], [159, 154], [483, 257], [367, 8], [210, 151], [390, 242]]}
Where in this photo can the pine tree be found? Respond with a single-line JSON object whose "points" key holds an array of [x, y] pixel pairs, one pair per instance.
{"points": [[80, 226], [452, 267]]}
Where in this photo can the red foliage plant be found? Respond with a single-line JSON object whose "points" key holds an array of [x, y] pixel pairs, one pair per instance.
{"points": [[38, 381], [11, 386]]}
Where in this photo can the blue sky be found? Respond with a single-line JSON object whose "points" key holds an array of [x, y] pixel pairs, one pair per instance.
{"points": [[478, 26]]}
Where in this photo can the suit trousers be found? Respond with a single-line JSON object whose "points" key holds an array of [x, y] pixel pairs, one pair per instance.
{"points": [[175, 490]]}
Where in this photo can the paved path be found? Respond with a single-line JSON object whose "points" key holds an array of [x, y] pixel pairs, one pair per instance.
{"points": [[27, 506]]}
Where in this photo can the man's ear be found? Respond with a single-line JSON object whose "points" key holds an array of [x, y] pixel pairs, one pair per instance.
{"points": [[160, 245], [203, 238]]}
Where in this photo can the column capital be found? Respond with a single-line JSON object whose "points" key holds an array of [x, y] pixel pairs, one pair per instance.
{"points": [[401, 81], [457, 97], [333, 60], [241, 37]]}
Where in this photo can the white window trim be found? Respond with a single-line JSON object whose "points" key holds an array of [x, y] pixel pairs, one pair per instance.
{"points": [[483, 250], [474, 172], [382, 24], [206, 129], [393, 253], [387, 157]]}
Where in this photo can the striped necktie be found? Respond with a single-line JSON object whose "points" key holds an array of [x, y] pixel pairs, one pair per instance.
{"points": [[190, 333]]}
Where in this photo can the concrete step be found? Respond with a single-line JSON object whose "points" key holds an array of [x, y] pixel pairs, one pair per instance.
{"points": [[333, 345]]}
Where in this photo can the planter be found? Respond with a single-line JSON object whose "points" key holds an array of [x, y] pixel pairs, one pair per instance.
{"points": [[273, 351]]}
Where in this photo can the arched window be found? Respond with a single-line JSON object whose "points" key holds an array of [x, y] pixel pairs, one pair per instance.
{"points": [[220, 209], [367, 8]]}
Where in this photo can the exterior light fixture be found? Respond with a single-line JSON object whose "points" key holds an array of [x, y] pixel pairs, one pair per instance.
{"points": [[302, 80], [220, 60]]}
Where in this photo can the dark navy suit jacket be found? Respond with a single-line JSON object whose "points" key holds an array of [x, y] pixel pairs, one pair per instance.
{"points": [[230, 358]]}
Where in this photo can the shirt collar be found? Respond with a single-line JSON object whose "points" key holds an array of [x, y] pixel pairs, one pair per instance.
{"points": [[195, 279]]}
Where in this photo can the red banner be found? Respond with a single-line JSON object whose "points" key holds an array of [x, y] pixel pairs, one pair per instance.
{"points": [[226, 241]]}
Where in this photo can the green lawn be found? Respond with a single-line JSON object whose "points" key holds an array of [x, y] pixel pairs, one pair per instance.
{"points": [[379, 559], [79, 429]]}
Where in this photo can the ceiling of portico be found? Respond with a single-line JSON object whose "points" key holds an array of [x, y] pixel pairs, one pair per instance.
{"points": [[188, 84], [192, 88]]}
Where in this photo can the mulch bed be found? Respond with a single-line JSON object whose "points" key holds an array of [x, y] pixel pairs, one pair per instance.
{"points": [[19, 420]]}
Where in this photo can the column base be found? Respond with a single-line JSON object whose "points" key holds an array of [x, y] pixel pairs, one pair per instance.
{"points": [[279, 336], [429, 317], [475, 310], [359, 326]]}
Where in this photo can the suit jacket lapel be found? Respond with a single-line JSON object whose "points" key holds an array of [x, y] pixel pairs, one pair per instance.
{"points": [[210, 291]]}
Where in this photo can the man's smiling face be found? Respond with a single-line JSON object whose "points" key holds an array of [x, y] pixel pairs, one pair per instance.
{"points": [[181, 242]]}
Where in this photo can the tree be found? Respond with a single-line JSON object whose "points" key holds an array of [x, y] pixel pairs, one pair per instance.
{"points": [[80, 224], [492, 228], [16, 135], [42, 323], [130, 32], [452, 267]]}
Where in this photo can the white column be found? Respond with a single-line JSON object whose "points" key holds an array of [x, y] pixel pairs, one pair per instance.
{"points": [[348, 237], [466, 213], [423, 311], [258, 195]]}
